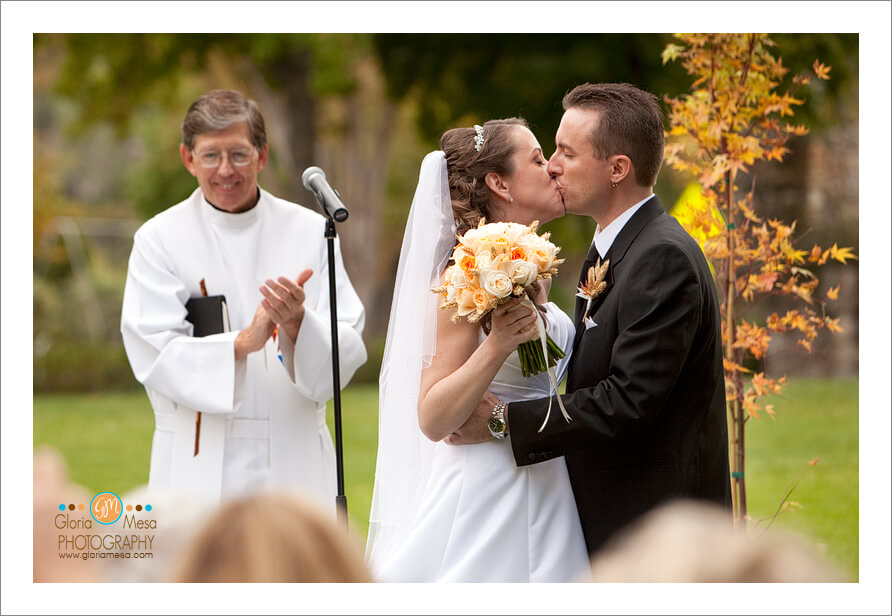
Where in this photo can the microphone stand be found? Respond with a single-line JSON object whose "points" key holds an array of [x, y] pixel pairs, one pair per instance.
{"points": [[330, 234]]}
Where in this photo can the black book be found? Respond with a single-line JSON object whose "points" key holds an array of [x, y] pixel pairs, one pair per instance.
{"points": [[208, 315]]}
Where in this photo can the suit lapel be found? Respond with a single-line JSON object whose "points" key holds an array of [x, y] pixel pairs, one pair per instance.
{"points": [[645, 214]]}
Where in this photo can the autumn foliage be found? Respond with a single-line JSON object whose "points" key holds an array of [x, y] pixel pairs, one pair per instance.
{"points": [[739, 112]]}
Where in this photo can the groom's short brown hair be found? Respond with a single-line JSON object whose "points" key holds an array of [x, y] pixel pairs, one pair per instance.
{"points": [[631, 124]]}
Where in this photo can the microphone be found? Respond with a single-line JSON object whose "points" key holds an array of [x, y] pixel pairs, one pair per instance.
{"points": [[328, 198]]}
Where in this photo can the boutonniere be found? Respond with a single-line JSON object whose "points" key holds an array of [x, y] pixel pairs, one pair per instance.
{"points": [[594, 284]]}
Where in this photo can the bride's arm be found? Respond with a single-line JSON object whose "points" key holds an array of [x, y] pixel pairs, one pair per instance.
{"points": [[461, 370]]}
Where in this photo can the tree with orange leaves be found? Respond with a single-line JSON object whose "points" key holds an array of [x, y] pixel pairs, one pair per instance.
{"points": [[736, 114]]}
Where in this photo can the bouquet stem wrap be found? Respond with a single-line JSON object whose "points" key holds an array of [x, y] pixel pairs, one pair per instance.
{"points": [[553, 390]]}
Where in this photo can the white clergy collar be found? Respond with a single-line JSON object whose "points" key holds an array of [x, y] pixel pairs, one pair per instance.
{"points": [[223, 218], [604, 237]]}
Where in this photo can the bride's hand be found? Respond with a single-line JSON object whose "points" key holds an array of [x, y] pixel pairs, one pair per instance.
{"points": [[513, 323], [538, 291]]}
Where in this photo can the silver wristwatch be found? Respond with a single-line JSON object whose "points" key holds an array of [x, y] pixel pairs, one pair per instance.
{"points": [[497, 426]]}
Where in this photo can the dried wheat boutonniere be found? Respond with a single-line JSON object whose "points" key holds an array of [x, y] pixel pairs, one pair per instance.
{"points": [[594, 285]]}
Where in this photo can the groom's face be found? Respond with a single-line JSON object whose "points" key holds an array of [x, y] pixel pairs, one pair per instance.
{"points": [[582, 178]]}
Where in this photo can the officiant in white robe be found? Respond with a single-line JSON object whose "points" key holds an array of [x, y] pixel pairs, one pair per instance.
{"points": [[261, 393]]}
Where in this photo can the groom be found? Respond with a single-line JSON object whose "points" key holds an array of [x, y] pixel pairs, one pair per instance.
{"points": [[645, 389]]}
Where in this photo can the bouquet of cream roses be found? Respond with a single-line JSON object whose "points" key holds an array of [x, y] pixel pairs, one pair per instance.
{"points": [[493, 263]]}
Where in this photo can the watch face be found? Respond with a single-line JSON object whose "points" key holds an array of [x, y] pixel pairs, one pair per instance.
{"points": [[496, 425]]}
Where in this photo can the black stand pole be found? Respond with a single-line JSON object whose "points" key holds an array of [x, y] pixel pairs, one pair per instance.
{"points": [[340, 499]]}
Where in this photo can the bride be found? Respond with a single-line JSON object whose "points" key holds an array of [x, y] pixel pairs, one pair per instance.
{"points": [[467, 513]]}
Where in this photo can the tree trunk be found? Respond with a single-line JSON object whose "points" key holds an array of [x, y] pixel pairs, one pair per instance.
{"points": [[738, 491], [299, 131], [349, 137], [737, 475], [735, 444], [356, 133]]}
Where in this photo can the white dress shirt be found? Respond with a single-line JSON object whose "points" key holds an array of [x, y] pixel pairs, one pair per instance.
{"points": [[604, 238]]}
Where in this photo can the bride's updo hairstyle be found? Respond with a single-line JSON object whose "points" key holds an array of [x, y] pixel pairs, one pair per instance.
{"points": [[467, 167]]}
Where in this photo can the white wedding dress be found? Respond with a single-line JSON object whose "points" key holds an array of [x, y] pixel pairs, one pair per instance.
{"points": [[483, 519]]}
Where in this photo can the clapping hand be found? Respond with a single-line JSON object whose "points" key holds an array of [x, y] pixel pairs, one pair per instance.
{"points": [[283, 300], [253, 337]]}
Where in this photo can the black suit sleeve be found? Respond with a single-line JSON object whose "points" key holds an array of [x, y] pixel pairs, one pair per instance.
{"points": [[657, 317]]}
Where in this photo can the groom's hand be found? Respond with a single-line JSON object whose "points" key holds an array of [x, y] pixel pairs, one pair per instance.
{"points": [[476, 428]]}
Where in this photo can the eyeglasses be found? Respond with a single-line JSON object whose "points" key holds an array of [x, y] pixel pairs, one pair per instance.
{"points": [[211, 159]]}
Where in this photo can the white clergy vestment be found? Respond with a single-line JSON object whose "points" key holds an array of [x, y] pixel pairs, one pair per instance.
{"points": [[263, 419]]}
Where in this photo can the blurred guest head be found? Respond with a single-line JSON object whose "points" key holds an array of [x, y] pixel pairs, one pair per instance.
{"points": [[54, 493], [686, 541], [173, 521], [271, 537]]}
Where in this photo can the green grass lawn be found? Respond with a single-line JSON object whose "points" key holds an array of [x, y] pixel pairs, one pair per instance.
{"points": [[814, 419], [106, 439]]}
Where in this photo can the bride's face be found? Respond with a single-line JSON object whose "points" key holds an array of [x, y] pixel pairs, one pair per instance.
{"points": [[535, 192]]}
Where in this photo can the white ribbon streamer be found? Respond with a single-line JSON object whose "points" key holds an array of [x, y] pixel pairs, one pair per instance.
{"points": [[553, 391]]}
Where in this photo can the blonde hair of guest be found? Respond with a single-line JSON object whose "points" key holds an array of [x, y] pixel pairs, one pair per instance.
{"points": [[687, 541], [270, 537]]}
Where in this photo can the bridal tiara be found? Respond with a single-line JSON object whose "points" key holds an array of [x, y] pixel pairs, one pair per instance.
{"points": [[478, 139]]}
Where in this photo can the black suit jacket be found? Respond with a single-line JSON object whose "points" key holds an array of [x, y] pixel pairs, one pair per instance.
{"points": [[645, 388]]}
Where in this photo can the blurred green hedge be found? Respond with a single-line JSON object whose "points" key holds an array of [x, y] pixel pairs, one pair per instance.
{"points": [[92, 366], [73, 366]]}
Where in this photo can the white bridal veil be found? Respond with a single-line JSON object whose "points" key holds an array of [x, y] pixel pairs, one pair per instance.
{"points": [[404, 454]]}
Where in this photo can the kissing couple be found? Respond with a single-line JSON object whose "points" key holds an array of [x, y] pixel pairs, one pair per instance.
{"points": [[467, 487]]}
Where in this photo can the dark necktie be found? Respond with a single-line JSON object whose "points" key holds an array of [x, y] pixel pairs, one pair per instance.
{"points": [[591, 260]]}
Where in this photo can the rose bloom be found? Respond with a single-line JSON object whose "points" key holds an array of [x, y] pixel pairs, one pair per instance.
{"points": [[499, 260], [481, 242], [516, 231], [467, 263], [528, 243], [465, 300], [511, 231], [460, 252], [486, 260], [492, 229], [521, 272], [496, 282], [454, 279], [543, 258], [470, 240], [501, 244], [539, 251], [483, 259], [482, 301]]}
